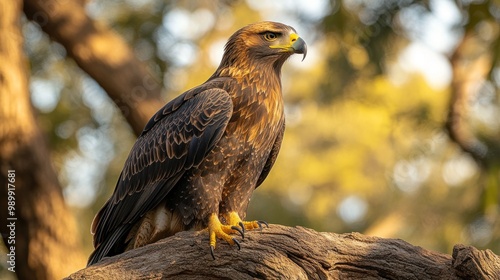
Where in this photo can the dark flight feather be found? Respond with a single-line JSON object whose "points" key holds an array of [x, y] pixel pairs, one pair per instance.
{"points": [[145, 183]]}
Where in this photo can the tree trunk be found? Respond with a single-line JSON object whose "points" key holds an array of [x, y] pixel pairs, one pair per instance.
{"points": [[47, 243], [42, 239], [280, 252], [103, 55]]}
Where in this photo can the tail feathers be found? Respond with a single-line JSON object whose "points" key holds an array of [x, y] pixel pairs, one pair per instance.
{"points": [[113, 245]]}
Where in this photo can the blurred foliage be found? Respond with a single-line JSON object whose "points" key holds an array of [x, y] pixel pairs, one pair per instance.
{"points": [[365, 147]]}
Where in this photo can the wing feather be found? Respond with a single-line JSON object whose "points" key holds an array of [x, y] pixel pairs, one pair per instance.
{"points": [[176, 138]]}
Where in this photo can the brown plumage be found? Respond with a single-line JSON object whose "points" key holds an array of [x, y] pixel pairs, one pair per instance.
{"points": [[200, 157]]}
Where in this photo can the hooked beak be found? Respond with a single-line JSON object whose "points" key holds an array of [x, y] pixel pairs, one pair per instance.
{"points": [[299, 46], [294, 45]]}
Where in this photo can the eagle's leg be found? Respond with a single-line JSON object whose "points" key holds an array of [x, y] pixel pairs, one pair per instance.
{"points": [[233, 219], [217, 229]]}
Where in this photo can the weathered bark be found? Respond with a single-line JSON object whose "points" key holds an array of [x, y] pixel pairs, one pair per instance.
{"points": [[471, 263], [44, 231], [280, 252], [103, 55]]}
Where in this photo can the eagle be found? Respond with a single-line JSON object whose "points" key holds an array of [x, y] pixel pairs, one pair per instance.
{"points": [[200, 157]]}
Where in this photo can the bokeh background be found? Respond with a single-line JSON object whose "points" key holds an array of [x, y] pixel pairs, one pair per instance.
{"points": [[393, 119]]}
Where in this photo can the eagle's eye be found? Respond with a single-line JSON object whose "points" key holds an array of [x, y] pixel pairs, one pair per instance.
{"points": [[270, 36]]}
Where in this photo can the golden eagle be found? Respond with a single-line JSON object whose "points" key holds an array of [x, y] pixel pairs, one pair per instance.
{"points": [[201, 156]]}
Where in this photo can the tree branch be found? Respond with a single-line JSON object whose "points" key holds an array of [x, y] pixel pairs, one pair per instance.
{"points": [[103, 54], [280, 252], [471, 64]]}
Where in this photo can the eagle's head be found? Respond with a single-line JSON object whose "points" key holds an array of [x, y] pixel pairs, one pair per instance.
{"points": [[261, 45]]}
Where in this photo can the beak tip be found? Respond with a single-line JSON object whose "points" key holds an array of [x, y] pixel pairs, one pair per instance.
{"points": [[300, 47]]}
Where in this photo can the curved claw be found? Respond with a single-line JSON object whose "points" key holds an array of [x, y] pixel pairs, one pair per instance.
{"points": [[212, 248], [242, 226], [241, 231], [260, 223], [212, 252], [237, 243]]}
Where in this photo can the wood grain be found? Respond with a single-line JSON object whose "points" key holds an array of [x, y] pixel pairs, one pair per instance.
{"points": [[280, 252]]}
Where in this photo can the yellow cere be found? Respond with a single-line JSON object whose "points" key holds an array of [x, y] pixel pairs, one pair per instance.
{"points": [[293, 38]]}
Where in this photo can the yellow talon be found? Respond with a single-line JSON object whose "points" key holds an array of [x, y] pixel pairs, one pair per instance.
{"points": [[217, 229], [235, 225], [234, 219]]}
